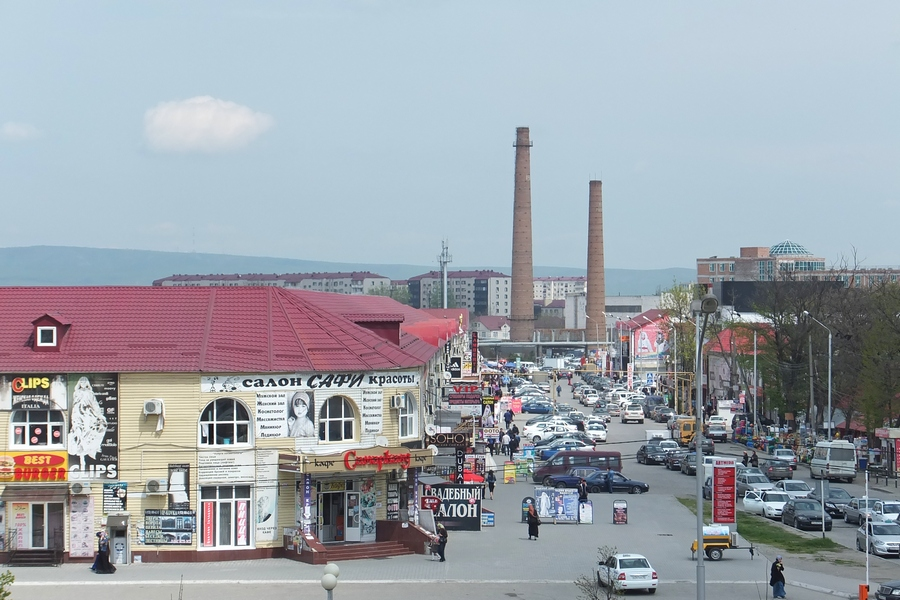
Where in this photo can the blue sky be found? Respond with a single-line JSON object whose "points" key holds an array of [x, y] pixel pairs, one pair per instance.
{"points": [[368, 131]]}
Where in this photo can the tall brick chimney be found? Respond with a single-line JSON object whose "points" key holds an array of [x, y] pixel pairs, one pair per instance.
{"points": [[521, 318], [596, 272]]}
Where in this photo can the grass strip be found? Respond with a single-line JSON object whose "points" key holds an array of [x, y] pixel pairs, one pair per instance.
{"points": [[759, 530]]}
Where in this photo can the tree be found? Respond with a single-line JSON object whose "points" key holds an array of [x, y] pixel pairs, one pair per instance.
{"points": [[6, 581], [590, 586], [400, 294]]}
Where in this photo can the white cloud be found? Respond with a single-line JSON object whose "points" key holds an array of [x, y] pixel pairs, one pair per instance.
{"points": [[18, 132], [202, 124]]}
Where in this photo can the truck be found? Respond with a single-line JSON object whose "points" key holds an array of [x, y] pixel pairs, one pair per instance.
{"points": [[557, 362], [660, 434]]}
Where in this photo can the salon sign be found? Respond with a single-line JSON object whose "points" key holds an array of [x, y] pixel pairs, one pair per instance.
{"points": [[310, 381]]}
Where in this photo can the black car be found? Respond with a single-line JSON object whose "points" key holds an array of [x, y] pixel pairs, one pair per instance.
{"points": [[803, 513], [655, 453], [597, 483], [889, 590], [674, 458], [689, 464], [838, 499], [663, 414], [709, 448]]}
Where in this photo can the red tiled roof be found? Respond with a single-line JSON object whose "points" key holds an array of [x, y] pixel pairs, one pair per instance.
{"points": [[189, 329], [493, 323]]}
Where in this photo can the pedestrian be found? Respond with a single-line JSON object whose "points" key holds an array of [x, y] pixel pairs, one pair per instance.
{"points": [[582, 490], [609, 480], [441, 541], [514, 431], [491, 443], [534, 522], [745, 459], [513, 446], [776, 580], [508, 418], [504, 443], [491, 480], [754, 460], [102, 564]]}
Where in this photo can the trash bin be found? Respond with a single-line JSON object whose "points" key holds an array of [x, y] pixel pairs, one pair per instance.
{"points": [[863, 463]]}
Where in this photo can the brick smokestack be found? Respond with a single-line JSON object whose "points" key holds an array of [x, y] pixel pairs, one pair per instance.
{"points": [[596, 272], [521, 318]]}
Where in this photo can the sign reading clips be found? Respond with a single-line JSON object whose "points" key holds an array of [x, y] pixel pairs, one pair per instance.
{"points": [[309, 381]]}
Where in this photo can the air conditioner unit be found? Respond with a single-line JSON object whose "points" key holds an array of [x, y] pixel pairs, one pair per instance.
{"points": [[157, 486], [153, 407], [78, 488], [397, 401]]}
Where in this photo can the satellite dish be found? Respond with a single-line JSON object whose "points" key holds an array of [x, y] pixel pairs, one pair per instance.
{"points": [[430, 429], [434, 449], [381, 441]]}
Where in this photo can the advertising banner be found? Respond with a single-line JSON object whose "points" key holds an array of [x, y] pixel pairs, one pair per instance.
{"points": [[115, 497], [82, 542], [325, 380], [460, 508], [723, 491], [179, 486], [266, 495], [33, 466], [173, 527], [285, 413], [93, 426], [560, 505], [33, 392]]}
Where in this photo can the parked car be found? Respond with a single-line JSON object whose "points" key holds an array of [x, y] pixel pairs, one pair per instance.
{"points": [[803, 513], [596, 431], [889, 590], [570, 478], [884, 538], [776, 470], [663, 414], [674, 458], [837, 501], [794, 489], [739, 468], [886, 511], [540, 407], [749, 481], [627, 572], [573, 435], [538, 431], [689, 464], [709, 448], [786, 454], [633, 412], [716, 433], [602, 414], [767, 503], [555, 446], [614, 410], [655, 454], [859, 510], [596, 483], [717, 420]]}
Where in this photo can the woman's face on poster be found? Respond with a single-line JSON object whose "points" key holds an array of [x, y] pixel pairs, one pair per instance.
{"points": [[299, 405]]}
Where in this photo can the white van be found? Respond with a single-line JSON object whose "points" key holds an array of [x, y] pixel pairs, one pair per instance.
{"points": [[834, 460]]}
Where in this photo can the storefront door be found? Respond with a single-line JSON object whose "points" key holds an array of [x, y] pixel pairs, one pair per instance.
{"points": [[38, 524], [352, 517]]}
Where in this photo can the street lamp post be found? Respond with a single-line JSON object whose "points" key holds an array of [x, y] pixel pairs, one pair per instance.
{"points": [[828, 414], [330, 578], [705, 307]]}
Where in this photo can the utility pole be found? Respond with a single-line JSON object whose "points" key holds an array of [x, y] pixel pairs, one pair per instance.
{"points": [[444, 259]]}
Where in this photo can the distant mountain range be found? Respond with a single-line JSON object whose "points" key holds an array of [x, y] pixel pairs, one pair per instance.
{"points": [[65, 265]]}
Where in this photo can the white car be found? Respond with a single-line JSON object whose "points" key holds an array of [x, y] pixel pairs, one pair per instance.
{"points": [[718, 420], [596, 432], [794, 488], [767, 503], [633, 412], [885, 511], [542, 429], [591, 399], [787, 455], [627, 572]]}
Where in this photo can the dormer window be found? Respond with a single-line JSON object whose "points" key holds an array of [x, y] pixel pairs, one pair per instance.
{"points": [[46, 336]]}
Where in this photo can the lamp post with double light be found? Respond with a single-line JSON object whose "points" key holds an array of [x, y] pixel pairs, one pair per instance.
{"points": [[828, 414], [702, 307]]}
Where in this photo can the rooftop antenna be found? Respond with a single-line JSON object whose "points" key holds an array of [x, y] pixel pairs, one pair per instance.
{"points": [[444, 259]]}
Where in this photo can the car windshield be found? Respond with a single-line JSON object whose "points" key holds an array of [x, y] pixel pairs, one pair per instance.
{"points": [[886, 529], [757, 479], [863, 503], [839, 494], [891, 508], [633, 563], [807, 506], [796, 486], [776, 498]]}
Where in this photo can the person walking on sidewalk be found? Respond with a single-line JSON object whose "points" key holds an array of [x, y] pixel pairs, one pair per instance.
{"points": [[776, 580], [491, 480], [754, 460], [534, 522], [745, 459], [441, 545], [582, 490]]}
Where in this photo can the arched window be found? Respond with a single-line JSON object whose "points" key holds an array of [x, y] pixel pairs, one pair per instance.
{"points": [[223, 422], [408, 416], [337, 420], [38, 429]]}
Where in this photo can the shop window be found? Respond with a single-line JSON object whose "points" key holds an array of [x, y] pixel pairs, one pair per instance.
{"points": [[223, 422], [337, 420], [225, 516], [408, 416], [38, 429]]}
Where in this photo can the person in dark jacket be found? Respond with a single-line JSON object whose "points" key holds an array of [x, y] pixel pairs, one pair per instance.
{"points": [[754, 460], [441, 545], [582, 490], [776, 580], [103, 566], [745, 459], [534, 522], [491, 481]]}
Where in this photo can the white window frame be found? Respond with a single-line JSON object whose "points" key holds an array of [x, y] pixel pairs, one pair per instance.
{"points": [[348, 416], [47, 426], [409, 417], [218, 504], [40, 331], [206, 437]]}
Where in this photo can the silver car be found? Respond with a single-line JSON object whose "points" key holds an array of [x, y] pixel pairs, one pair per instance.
{"points": [[884, 538]]}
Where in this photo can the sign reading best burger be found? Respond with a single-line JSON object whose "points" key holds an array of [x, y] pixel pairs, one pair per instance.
{"points": [[34, 467]]}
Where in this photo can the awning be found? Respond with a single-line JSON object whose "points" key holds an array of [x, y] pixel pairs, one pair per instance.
{"points": [[432, 480], [35, 493]]}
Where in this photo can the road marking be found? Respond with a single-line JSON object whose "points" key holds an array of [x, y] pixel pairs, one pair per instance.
{"points": [[108, 582]]}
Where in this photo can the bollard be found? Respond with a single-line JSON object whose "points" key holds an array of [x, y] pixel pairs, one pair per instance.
{"points": [[863, 592]]}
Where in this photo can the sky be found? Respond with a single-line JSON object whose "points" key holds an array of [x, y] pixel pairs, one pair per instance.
{"points": [[370, 131]]}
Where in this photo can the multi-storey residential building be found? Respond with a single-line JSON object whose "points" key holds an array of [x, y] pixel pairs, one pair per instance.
{"points": [[357, 282], [557, 288], [482, 292]]}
